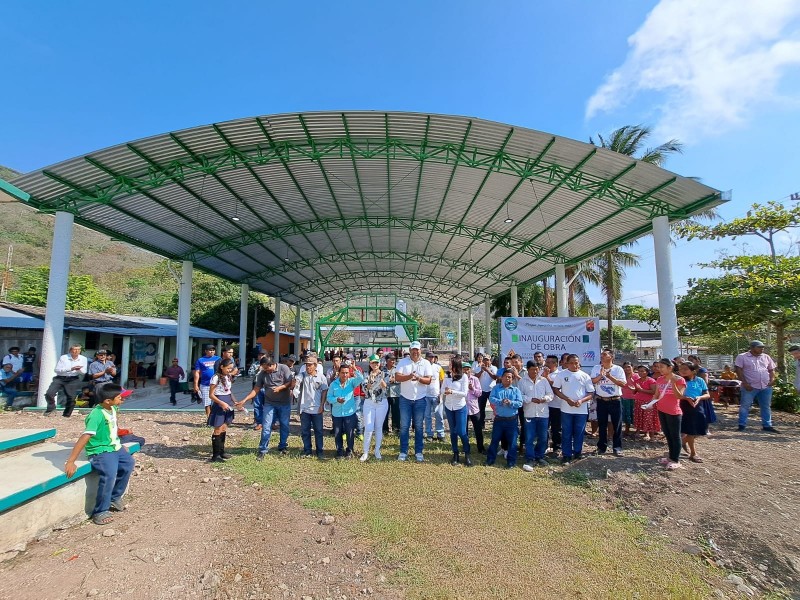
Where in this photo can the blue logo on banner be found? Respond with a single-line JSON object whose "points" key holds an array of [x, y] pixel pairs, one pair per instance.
{"points": [[589, 356], [510, 323]]}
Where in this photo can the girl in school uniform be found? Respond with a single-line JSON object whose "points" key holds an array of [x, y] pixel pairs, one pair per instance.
{"points": [[222, 407]]}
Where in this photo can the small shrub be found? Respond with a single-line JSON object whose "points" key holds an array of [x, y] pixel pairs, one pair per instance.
{"points": [[785, 396]]}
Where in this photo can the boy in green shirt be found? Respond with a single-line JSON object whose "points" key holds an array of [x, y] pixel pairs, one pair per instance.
{"points": [[106, 453]]}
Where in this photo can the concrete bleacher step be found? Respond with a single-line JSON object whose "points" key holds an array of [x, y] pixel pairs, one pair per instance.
{"points": [[14, 439], [35, 494]]}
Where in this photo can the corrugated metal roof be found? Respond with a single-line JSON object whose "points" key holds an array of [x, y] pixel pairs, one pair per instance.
{"points": [[268, 200]]}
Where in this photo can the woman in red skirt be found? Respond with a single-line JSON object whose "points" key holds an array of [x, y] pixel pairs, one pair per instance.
{"points": [[645, 421]]}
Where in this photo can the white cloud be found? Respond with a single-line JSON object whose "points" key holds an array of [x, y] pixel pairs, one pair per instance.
{"points": [[711, 63]]}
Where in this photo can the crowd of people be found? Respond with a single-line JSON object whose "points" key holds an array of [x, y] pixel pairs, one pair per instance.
{"points": [[542, 409]]}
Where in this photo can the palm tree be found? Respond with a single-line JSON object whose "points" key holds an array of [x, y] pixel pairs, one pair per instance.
{"points": [[628, 140]]}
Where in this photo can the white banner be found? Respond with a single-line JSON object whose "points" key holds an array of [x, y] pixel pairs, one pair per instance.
{"points": [[551, 335]]}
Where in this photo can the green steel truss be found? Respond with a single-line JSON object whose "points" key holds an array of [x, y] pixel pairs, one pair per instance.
{"points": [[411, 288], [366, 315], [462, 267], [284, 152], [521, 246], [369, 276]]}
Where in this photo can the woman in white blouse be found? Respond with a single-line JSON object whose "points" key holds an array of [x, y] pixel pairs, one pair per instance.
{"points": [[454, 394]]}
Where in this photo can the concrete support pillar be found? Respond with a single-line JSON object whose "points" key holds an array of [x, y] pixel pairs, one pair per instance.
{"points": [[488, 309], [458, 334], [126, 360], [243, 326], [297, 330], [562, 308], [471, 333], [160, 357], [276, 346], [312, 321], [514, 301], [666, 292], [184, 308], [53, 334]]}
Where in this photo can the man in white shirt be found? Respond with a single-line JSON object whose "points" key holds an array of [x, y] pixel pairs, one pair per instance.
{"points": [[608, 380], [70, 370], [487, 375], [414, 374], [14, 358], [551, 369], [536, 395], [576, 389], [432, 400], [311, 390]]}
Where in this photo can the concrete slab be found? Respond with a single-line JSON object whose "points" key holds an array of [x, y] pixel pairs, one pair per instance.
{"points": [[36, 496], [12, 439]]}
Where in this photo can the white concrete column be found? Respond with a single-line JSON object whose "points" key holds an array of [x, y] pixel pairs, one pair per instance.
{"points": [[126, 359], [471, 333], [488, 318], [666, 292], [312, 323], [184, 310], [458, 334], [297, 330], [276, 346], [160, 357], [243, 325], [53, 334], [562, 308], [514, 301]]}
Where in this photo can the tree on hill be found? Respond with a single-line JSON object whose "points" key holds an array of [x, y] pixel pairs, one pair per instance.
{"points": [[82, 292]]}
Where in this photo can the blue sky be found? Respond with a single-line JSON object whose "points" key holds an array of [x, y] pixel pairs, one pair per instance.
{"points": [[722, 76]]}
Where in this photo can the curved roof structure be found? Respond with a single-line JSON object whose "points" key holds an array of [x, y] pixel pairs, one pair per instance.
{"points": [[313, 206]]}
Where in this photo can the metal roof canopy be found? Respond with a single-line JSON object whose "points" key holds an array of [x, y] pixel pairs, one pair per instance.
{"points": [[313, 206]]}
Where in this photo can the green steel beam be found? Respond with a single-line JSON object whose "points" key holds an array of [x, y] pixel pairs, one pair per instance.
{"points": [[462, 267], [413, 291], [190, 167], [423, 147], [358, 178], [378, 275], [285, 163], [324, 225]]}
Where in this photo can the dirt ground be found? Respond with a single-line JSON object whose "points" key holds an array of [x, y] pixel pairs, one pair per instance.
{"points": [[192, 531], [738, 509]]}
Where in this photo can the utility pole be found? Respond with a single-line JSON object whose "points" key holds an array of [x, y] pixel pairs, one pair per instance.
{"points": [[6, 283]]}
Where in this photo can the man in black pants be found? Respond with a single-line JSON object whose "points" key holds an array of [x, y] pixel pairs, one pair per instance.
{"points": [[392, 396], [550, 370], [70, 370]]}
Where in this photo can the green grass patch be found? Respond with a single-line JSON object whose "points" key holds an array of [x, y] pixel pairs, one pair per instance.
{"points": [[490, 533]]}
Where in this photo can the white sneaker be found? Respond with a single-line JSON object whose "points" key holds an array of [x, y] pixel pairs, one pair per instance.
{"points": [[504, 453], [419, 457], [402, 457], [527, 468], [364, 457], [378, 455]]}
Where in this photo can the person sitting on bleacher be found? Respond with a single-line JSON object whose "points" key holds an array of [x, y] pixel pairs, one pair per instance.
{"points": [[106, 453], [8, 384]]}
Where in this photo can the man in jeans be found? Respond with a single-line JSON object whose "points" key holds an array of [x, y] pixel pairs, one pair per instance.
{"points": [[277, 383], [756, 371], [414, 375], [608, 380], [434, 422], [311, 390]]}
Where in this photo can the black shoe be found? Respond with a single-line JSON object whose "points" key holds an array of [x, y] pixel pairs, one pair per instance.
{"points": [[741, 427], [173, 402], [454, 462], [481, 450], [260, 456], [577, 456], [601, 451], [467, 460], [217, 458], [489, 464], [771, 429], [542, 463], [565, 460]]}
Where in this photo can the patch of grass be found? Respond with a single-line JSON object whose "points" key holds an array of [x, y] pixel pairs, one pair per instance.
{"points": [[485, 532]]}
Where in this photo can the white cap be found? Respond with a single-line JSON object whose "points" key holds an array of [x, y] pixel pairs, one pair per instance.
{"points": [[414, 345]]}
